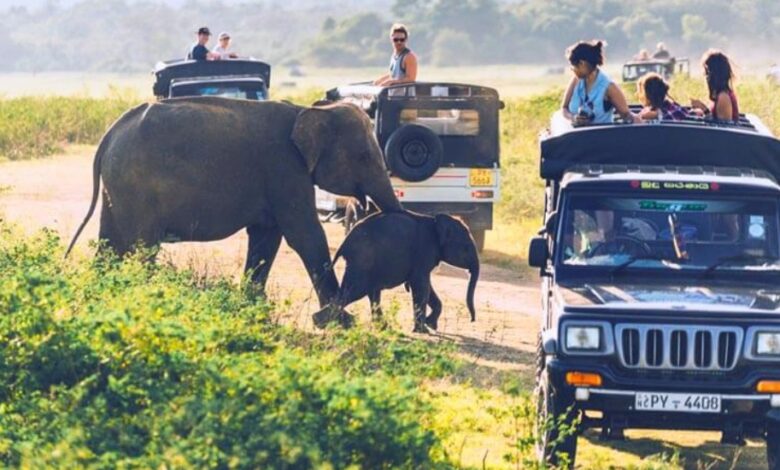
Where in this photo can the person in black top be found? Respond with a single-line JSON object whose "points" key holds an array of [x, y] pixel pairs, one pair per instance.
{"points": [[199, 50]]}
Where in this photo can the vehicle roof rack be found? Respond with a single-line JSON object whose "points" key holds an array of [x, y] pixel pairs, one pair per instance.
{"points": [[414, 90], [596, 169], [166, 71], [687, 143]]}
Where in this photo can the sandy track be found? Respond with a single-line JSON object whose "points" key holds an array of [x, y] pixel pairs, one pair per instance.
{"points": [[55, 193]]}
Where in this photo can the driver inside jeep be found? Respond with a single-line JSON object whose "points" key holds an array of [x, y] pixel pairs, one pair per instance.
{"points": [[723, 233]]}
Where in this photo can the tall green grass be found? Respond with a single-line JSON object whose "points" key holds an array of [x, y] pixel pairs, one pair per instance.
{"points": [[34, 127]]}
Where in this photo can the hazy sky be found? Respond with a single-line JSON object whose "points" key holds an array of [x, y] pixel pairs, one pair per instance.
{"points": [[292, 3]]}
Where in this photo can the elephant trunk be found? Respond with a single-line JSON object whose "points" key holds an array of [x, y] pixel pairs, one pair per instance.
{"points": [[474, 271], [383, 196]]}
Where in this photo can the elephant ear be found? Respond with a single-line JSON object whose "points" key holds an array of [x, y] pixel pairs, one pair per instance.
{"points": [[311, 135]]}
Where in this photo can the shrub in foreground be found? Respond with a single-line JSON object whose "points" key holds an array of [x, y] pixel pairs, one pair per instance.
{"points": [[111, 364]]}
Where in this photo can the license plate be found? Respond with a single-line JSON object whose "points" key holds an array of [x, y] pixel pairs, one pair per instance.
{"points": [[479, 177], [684, 402]]}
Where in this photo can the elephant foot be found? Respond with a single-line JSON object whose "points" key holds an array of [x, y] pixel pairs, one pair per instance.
{"points": [[432, 322], [330, 315]]}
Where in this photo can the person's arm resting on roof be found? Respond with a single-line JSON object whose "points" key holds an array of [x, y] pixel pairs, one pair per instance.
{"points": [[618, 100]]}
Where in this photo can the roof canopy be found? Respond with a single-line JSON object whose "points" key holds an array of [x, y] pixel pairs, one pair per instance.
{"points": [[164, 72], [664, 143]]}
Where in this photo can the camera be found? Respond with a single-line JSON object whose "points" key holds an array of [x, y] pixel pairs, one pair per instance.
{"points": [[585, 114]]}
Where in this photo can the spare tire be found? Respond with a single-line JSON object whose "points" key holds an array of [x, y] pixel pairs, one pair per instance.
{"points": [[413, 153]]}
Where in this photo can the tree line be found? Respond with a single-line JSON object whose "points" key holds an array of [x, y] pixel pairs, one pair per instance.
{"points": [[125, 35]]}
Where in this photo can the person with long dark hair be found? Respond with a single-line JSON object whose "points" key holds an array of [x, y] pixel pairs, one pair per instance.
{"points": [[653, 92], [592, 97], [720, 82]]}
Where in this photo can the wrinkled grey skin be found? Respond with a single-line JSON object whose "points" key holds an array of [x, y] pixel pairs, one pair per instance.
{"points": [[386, 250], [200, 169]]}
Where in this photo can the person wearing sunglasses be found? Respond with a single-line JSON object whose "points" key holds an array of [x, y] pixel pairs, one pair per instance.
{"points": [[720, 83], [592, 97], [403, 62]]}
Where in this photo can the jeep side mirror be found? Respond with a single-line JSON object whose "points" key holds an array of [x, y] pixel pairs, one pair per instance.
{"points": [[549, 222], [538, 253]]}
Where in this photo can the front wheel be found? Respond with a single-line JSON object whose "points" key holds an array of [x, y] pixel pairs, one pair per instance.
{"points": [[556, 426], [773, 445]]}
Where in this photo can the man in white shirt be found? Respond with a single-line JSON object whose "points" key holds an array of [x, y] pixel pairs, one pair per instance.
{"points": [[224, 45]]}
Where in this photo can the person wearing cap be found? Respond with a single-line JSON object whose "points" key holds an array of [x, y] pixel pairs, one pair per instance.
{"points": [[224, 44], [199, 50]]}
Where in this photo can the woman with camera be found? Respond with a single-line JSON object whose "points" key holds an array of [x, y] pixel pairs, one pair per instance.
{"points": [[591, 97]]}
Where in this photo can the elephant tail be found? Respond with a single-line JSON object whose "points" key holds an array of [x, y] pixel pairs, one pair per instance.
{"points": [[95, 189]]}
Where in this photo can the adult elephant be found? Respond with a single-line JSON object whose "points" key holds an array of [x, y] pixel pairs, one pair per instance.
{"points": [[200, 169]]}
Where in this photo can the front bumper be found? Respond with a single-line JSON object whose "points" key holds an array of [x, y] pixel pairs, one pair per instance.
{"points": [[741, 406]]}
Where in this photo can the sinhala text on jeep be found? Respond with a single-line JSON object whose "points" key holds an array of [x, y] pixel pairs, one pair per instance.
{"points": [[659, 257]]}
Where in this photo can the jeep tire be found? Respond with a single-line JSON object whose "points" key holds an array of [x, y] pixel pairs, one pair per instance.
{"points": [[550, 446], [773, 445], [413, 153]]}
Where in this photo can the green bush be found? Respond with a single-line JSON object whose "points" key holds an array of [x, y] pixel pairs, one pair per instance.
{"points": [[109, 364], [33, 127]]}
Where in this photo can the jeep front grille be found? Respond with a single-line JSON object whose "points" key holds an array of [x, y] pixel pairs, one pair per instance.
{"points": [[683, 347]]}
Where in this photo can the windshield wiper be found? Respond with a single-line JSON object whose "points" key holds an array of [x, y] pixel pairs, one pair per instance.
{"points": [[736, 259], [622, 266]]}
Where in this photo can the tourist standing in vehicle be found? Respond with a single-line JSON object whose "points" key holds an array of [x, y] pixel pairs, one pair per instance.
{"points": [[720, 82], [224, 45], [592, 97], [403, 62], [661, 52], [199, 50], [653, 92]]}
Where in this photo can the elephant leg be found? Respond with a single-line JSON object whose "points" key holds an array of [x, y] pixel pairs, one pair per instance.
{"points": [[434, 302], [353, 287], [109, 235], [421, 289], [304, 234], [376, 310], [263, 246]]}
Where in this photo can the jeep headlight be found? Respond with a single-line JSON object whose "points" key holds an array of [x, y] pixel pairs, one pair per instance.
{"points": [[583, 338], [768, 343]]}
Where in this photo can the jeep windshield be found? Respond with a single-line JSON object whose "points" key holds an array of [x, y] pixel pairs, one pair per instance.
{"points": [[670, 232], [237, 90]]}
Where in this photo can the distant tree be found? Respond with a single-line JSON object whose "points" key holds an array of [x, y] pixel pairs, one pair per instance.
{"points": [[696, 33], [452, 48]]}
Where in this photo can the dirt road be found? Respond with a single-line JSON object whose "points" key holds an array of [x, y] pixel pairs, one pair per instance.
{"points": [[55, 193]]}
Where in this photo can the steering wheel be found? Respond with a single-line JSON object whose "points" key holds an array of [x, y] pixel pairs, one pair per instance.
{"points": [[621, 244]]}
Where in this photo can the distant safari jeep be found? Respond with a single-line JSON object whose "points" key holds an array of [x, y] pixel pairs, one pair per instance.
{"points": [[633, 70], [244, 78], [441, 145]]}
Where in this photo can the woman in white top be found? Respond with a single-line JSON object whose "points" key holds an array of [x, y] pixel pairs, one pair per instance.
{"points": [[224, 44]]}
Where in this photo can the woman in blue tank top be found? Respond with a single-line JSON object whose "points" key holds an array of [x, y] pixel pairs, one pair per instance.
{"points": [[591, 97]]}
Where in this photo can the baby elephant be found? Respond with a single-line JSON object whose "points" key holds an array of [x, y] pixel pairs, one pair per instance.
{"points": [[388, 249]]}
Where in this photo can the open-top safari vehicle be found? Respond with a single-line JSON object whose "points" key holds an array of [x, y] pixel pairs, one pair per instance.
{"points": [[244, 78], [441, 146], [633, 70], [660, 267]]}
